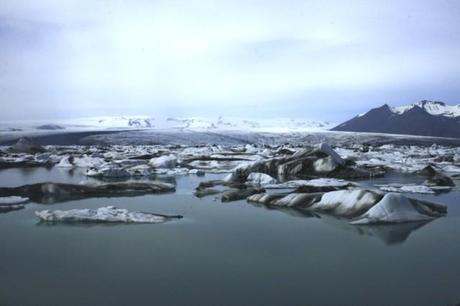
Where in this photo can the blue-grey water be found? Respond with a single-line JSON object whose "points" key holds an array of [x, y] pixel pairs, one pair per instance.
{"points": [[223, 254]]}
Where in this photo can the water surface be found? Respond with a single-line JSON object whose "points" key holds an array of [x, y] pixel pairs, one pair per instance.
{"points": [[223, 254]]}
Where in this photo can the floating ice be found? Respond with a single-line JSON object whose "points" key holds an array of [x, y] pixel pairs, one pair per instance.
{"points": [[165, 161], [396, 208], [109, 214], [256, 178], [13, 200], [347, 203], [406, 188]]}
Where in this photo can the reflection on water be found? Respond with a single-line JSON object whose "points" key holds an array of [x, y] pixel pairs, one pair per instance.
{"points": [[390, 234]]}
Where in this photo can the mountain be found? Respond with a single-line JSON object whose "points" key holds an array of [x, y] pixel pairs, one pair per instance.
{"points": [[425, 118]]}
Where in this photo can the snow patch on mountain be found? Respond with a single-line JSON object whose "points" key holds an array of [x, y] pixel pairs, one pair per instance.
{"points": [[432, 107]]}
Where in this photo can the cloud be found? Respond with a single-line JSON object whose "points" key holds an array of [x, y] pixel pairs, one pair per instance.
{"points": [[268, 58]]}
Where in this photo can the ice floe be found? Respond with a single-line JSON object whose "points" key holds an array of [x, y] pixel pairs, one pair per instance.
{"points": [[11, 203], [406, 188], [109, 214]]}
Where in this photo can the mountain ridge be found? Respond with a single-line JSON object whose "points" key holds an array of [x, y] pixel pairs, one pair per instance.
{"points": [[424, 118]]}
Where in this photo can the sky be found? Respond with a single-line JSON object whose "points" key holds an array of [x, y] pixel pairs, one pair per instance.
{"points": [[325, 60]]}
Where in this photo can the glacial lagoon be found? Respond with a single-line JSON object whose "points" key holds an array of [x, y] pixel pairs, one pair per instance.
{"points": [[223, 253]]}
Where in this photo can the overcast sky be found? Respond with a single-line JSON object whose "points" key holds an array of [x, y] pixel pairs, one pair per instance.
{"points": [[287, 58]]}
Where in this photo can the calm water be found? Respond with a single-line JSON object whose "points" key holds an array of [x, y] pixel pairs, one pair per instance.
{"points": [[223, 254]]}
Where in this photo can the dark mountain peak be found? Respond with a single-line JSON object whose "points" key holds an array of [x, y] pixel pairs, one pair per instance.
{"points": [[428, 118], [385, 108]]}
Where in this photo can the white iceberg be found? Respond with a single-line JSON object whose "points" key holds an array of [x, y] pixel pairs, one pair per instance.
{"points": [[347, 203], [396, 208], [165, 161], [256, 178], [13, 200], [108, 172], [12, 203], [109, 214]]}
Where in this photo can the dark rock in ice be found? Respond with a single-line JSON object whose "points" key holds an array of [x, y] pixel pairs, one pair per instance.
{"points": [[145, 156], [450, 158], [59, 192], [265, 198], [298, 200], [284, 151]]}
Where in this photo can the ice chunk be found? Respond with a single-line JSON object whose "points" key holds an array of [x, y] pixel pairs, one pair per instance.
{"points": [[396, 208], [165, 161], [11, 203], [407, 188], [257, 178], [13, 200], [327, 149], [109, 214], [347, 203]]}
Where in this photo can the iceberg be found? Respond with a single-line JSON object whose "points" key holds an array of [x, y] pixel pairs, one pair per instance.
{"points": [[396, 208], [407, 188], [347, 203], [165, 161], [12, 203], [109, 214], [256, 178]]}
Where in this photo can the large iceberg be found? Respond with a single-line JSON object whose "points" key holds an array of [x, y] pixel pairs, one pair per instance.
{"points": [[396, 208], [109, 214], [347, 202]]}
